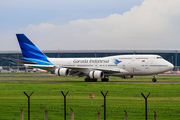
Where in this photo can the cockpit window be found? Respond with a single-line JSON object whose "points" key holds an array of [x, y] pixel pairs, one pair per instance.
{"points": [[159, 58]]}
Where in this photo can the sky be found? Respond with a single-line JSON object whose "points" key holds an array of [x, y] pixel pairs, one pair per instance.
{"points": [[91, 25]]}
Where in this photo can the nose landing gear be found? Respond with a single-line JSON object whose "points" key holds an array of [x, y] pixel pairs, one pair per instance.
{"points": [[154, 78]]}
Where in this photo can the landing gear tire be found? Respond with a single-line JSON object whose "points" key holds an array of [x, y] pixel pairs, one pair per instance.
{"points": [[90, 80], [104, 80], [154, 79], [93, 80], [87, 79]]}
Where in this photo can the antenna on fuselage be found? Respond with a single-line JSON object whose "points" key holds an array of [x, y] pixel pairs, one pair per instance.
{"points": [[58, 52], [134, 50]]}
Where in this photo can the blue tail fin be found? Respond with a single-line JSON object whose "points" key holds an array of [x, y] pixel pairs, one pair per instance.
{"points": [[30, 51]]}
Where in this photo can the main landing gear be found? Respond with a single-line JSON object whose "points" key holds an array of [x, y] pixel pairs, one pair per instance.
{"points": [[90, 80], [154, 78], [105, 79]]}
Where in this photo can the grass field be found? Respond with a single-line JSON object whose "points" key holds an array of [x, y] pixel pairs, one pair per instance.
{"points": [[164, 98]]}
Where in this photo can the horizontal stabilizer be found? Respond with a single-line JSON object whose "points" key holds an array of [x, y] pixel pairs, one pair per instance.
{"points": [[20, 61], [12, 62]]}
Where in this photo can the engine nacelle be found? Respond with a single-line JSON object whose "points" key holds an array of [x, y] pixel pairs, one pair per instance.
{"points": [[96, 74], [62, 71], [127, 77]]}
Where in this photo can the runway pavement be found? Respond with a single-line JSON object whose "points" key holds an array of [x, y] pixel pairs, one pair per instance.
{"points": [[135, 82]]}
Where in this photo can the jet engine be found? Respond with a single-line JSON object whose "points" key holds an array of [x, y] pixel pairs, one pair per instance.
{"points": [[62, 71], [127, 77], [96, 74]]}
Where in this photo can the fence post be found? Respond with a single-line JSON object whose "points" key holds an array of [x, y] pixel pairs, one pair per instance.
{"points": [[22, 114], [64, 103], [145, 104], [155, 116], [72, 114], [28, 103], [125, 115], [104, 95], [99, 115], [46, 114]]}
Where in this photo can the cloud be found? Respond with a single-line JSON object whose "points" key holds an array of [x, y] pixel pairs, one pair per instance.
{"points": [[152, 25]]}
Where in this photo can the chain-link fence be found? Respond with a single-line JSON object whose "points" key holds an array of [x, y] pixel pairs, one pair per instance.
{"points": [[167, 107]]}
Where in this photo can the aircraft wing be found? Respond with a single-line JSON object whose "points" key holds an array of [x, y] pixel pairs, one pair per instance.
{"points": [[77, 71], [82, 71], [119, 70], [105, 70], [45, 67]]}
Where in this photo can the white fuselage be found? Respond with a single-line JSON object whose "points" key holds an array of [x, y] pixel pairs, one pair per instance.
{"points": [[128, 65]]}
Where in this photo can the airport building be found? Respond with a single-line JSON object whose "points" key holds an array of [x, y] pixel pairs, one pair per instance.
{"points": [[172, 56]]}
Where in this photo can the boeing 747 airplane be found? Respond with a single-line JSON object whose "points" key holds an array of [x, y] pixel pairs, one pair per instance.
{"points": [[124, 66]]}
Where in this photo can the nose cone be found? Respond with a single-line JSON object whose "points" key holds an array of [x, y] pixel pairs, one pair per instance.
{"points": [[170, 66]]}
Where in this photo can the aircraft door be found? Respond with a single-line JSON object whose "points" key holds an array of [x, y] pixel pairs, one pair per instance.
{"points": [[146, 64]]}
